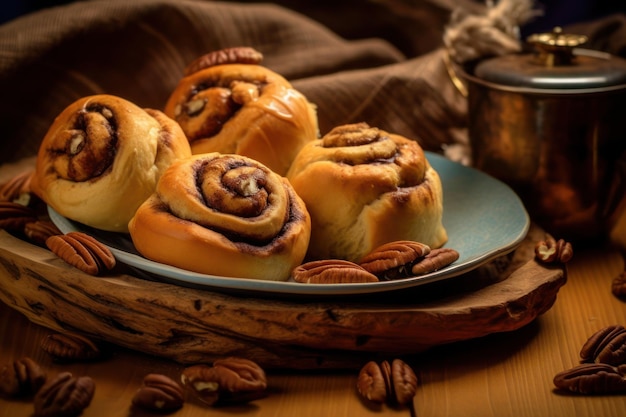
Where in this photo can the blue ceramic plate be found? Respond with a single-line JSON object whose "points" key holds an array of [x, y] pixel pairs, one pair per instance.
{"points": [[484, 219]]}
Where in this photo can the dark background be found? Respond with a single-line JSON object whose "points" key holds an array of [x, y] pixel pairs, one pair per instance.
{"points": [[556, 12]]}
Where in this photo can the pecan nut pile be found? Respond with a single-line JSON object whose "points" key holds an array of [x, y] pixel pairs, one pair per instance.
{"points": [[603, 365], [403, 258]]}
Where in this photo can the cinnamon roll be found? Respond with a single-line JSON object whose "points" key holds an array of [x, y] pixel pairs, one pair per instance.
{"points": [[365, 187], [225, 215], [102, 157], [228, 103]]}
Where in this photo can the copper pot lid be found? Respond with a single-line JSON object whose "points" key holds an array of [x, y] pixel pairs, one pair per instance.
{"points": [[557, 64]]}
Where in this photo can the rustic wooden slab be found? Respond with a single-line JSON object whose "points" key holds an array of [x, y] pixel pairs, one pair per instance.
{"points": [[191, 325]]}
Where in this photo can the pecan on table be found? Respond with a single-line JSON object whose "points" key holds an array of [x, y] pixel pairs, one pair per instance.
{"points": [[593, 378], [70, 347], [82, 251], [607, 345], [618, 286], [393, 382], [230, 380], [64, 396], [551, 250], [331, 271], [21, 377], [159, 393]]}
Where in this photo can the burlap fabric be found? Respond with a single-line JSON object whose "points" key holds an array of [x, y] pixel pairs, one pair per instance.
{"points": [[138, 50]]}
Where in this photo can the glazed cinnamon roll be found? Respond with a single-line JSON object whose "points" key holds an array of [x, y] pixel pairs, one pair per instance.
{"points": [[365, 187], [102, 157], [228, 103], [225, 215]]}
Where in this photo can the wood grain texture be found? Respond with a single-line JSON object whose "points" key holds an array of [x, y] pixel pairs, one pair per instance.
{"points": [[500, 375], [189, 325]]}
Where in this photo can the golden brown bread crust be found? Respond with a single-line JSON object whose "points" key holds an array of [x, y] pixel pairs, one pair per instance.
{"points": [[365, 187], [243, 109], [102, 157], [224, 215]]}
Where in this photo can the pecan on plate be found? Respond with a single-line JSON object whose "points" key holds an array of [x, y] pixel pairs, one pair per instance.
{"points": [[393, 382], [331, 271], [14, 216], [394, 260], [21, 377], [593, 378], [434, 261], [159, 393], [551, 250], [607, 345], [64, 396], [40, 230], [66, 347], [82, 251], [236, 55], [230, 380]]}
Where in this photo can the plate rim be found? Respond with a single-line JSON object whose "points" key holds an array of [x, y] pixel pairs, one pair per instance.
{"points": [[190, 278]]}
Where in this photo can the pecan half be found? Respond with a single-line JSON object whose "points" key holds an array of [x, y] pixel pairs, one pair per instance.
{"points": [[434, 261], [404, 382], [331, 271], [14, 216], [230, 380], [82, 251], [12, 190], [66, 347], [40, 230], [592, 378], [236, 55], [551, 250], [371, 383], [393, 382], [64, 396], [159, 393], [618, 286], [394, 259], [21, 377], [607, 345]]}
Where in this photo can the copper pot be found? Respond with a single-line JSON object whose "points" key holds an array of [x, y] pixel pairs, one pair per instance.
{"points": [[552, 124]]}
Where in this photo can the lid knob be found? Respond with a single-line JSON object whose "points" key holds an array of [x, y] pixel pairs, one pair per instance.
{"points": [[555, 48]]}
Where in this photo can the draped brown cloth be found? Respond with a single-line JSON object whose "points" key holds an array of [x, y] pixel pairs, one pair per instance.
{"points": [[138, 49]]}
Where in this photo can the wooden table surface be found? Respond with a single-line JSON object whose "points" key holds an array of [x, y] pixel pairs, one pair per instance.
{"points": [[504, 374]]}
